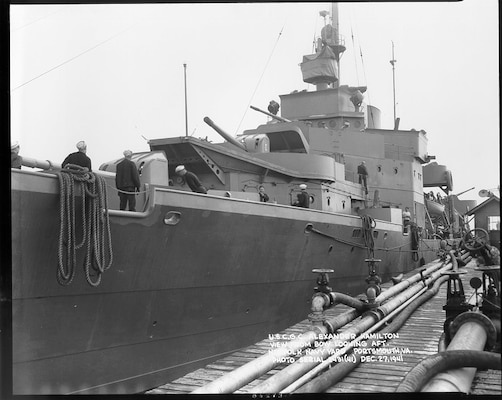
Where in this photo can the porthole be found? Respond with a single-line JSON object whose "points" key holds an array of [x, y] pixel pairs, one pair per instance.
{"points": [[172, 218], [332, 123]]}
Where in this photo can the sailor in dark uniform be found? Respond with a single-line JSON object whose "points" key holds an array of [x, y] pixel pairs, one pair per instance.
{"points": [[191, 179], [15, 159], [303, 197], [127, 181], [79, 157]]}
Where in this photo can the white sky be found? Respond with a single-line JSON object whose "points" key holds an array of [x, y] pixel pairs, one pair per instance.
{"points": [[108, 74]]}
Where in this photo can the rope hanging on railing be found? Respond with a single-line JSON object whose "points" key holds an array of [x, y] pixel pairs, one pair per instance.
{"points": [[95, 225], [368, 223]]}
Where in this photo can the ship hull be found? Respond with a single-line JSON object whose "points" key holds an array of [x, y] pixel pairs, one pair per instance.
{"points": [[219, 275]]}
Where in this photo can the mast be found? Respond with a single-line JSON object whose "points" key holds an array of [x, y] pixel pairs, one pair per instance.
{"points": [[393, 62], [321, 69], [186, 108], [336, 25]]}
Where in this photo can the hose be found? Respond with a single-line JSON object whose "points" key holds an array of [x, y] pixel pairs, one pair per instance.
{"points": [[95, 225], [445, 360]]}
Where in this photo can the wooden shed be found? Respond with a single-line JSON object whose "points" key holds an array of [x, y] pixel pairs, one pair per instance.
{"points": [[487, 217]]}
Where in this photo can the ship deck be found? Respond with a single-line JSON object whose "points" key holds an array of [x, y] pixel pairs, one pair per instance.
{"points": [[420, 334]]}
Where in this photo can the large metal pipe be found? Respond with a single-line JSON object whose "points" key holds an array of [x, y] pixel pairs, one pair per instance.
{"points": [[225, 135], [341, 298], [340, 370], [241, 376], [248, 372], [408, 282], [471, 335], [256, 368], [442, 361], [293, 371]]}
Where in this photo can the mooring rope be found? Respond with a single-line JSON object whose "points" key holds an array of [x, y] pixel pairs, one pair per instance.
{"points": [[368, 223], [95, 225]]}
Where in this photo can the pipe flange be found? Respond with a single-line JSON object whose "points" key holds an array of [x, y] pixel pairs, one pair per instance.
{"points": [[328, 300], [483, 320]]}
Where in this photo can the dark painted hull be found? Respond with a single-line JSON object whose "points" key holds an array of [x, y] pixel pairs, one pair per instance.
{"points": [[176, 296]]}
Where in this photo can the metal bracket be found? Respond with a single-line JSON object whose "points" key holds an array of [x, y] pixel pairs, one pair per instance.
{"points": [[217, 171]]}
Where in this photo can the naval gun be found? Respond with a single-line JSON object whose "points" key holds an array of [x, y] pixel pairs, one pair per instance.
{"points": [[250, 143], [276, 117], [224, 134]]}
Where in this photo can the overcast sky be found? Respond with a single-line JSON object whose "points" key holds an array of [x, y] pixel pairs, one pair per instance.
{"points": [[113, 74]]}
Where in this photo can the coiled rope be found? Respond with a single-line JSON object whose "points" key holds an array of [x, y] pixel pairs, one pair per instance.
{"points": [[368, 223], [95, 225]]}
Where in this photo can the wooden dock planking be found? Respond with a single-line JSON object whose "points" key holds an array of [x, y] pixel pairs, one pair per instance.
{"points": [[420, 335]]}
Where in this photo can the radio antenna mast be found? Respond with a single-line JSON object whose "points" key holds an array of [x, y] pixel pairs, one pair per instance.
{"points": [[393, 62]]}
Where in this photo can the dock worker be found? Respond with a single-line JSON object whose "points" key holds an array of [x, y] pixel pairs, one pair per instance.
{"points": [[263, 196], [15, 159], [303, 197], [191, 179], [127, 181], [79, 157], [363, 175]]}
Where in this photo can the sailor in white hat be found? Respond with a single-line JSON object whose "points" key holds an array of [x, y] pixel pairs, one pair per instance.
{"points": [[303, 197], [127, 181], [15, 159], [191, 179], [79, 157]]}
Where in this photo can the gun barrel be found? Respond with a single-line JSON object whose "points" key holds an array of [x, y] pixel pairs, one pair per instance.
{"points": [[270, 114], [225, 135]]}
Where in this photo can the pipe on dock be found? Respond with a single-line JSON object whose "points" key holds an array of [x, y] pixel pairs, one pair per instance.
{"points": [[288, 375], [340, 370], [241, 376], [473, 333], [443, 361], [408, 282], [341, 298], [248, 372]]}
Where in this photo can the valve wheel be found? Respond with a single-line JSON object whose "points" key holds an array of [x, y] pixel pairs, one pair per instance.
{"points": [[475, 239]]}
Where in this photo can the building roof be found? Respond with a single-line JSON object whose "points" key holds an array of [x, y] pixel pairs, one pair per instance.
{"points": [[483, 204]]}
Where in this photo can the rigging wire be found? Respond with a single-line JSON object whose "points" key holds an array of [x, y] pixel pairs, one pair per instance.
{"points": [[38, 19], [71, 59], [354, 46], [259, 80]]}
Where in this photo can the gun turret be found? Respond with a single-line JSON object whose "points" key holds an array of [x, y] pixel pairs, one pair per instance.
{"points": [[225, 135]]}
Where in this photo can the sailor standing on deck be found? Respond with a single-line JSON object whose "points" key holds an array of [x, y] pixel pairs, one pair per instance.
{"points": [[406, 219], [263, 196], [127, 181], [15, 159], [79, 157], [191, 179], [363, 175], [303, 197]]}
